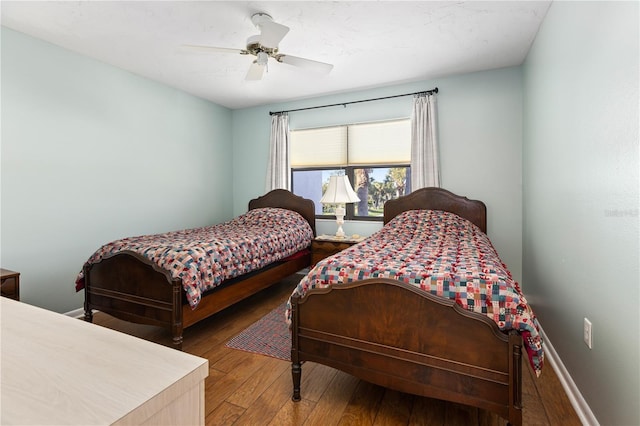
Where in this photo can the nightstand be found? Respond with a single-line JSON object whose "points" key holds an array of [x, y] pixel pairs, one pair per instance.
{"points": [[327, 245], [10, 284]]}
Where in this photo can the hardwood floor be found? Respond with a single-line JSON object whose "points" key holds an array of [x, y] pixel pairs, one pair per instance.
{"points": [[249, 389]]}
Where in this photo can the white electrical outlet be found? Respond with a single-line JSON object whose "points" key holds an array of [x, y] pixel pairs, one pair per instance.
{"points": [[588, 336]]}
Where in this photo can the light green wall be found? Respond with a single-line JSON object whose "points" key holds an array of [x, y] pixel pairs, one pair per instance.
{"points": [[91, 153], [480, 133], [581, 221]]}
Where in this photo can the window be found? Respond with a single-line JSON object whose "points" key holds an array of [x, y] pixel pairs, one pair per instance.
{"points": [[375, 156]]}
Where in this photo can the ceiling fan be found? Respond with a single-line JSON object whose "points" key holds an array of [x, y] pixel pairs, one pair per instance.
{"points": [[264, 46]]}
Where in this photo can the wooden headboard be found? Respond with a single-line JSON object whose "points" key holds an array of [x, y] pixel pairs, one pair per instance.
{"points": [[439, 199], [287, 200]]}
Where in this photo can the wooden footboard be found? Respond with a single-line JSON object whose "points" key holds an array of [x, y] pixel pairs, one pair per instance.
{"points": [[397, 336], [130, 287]]}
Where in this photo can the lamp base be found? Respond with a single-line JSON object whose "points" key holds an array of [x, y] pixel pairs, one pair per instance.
{"points": [[340, 221]]}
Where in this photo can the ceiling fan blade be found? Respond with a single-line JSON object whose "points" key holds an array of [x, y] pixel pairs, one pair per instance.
{"points": [[207, 49], [255, 71], [305, 63], [272, 33]]}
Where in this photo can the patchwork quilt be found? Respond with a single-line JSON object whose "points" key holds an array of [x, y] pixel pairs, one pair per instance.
{"points": [[443, 254], [204, 257]]}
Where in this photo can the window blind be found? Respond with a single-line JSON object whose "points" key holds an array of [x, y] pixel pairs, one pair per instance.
{"points": [[370, 144], [381, 143], [326, 146]]}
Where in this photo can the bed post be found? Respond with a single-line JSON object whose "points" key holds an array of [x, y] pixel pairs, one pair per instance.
{"points": [[515, 373], [296, 368], [88, 312], [176, 326]]}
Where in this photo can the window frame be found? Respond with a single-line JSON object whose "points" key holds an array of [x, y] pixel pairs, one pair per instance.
{"points": [[349, 169], [350, 172]]}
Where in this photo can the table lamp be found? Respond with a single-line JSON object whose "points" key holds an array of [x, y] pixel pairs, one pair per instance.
{"points": [[339, 192]]}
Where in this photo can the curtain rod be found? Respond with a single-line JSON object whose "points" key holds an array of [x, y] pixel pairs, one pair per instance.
{"points": [[426, 92]]}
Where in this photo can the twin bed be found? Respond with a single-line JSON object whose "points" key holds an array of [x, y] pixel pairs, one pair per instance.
{"points": [[176, 279], [424, 306]]}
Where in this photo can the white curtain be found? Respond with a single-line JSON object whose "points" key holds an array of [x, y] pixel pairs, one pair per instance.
{"points": [[425, 161], [279, 169]]}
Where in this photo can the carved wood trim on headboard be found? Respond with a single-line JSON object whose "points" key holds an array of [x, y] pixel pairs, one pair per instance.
{"points": [[439, 199], [287, 200]]}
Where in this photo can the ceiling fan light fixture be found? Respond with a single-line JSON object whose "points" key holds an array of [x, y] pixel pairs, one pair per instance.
{"points": [[262, 58]]}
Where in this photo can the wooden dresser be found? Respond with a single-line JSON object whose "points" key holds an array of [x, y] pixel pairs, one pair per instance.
{"points": [[60, 370], [10, 284]]}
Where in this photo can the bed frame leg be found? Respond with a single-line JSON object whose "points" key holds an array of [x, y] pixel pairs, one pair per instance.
{"points": [[88, 315], [296, 374], [176, 331], [88, 312], [177, 342], [296, 365]]}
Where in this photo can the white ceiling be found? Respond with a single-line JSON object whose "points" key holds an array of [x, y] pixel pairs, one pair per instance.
{"points": [[370, 43]]}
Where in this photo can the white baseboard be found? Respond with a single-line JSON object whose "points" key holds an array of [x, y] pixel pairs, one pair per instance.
{"points": [[575, 397], [76, 313]]}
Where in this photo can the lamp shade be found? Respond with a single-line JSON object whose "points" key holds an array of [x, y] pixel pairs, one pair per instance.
{"points": [[339, 191]]}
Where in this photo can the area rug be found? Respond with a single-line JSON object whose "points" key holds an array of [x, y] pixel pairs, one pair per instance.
{"points": [[268, 336]]}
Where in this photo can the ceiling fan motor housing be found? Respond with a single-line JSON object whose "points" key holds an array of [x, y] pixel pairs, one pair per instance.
{"points": [[254, 47]]}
